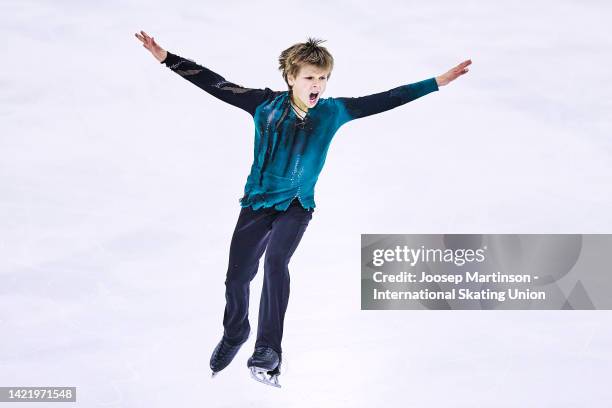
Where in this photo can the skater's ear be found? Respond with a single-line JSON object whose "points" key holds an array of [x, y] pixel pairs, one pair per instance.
{"points": [[290, 80]]}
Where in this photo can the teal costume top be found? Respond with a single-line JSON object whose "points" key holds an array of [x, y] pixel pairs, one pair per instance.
{"points": [[290, 151]]}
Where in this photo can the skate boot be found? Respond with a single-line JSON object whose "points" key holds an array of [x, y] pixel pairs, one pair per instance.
{"points": [[222, 355], [265, 365]]}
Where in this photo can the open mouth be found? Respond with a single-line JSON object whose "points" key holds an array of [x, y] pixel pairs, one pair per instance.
{"points": [[313, 97]]}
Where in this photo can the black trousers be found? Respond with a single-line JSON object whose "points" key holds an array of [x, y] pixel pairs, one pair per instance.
{"points": [[278, 233]]}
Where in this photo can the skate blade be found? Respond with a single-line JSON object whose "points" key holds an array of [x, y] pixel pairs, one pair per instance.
{"points": [[260, 374]]}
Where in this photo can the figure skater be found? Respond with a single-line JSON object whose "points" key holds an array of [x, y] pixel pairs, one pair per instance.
{"points": [[293, 131]]}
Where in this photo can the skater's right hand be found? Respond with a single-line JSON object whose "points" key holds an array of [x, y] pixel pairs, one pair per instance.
{"points": [[149, 43]]}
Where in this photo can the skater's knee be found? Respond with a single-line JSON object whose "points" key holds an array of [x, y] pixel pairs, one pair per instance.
{"points": [[240, 275], [277, 263]]}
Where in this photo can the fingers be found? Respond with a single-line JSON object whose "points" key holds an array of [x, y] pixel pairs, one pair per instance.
{"points": [[147, 41], [464, 64], [458, 73], [141, 37], [144, 37], [462, 68]]}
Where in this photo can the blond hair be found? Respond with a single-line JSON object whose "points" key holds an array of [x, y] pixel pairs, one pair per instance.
{"points": [[310, 52]]}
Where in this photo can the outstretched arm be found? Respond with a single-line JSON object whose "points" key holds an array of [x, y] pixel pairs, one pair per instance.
{"points": [[354, 108], [211, 82]]}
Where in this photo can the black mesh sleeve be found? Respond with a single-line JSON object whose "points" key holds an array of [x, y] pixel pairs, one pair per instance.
{"points": [[213, 83], [355, 108]]}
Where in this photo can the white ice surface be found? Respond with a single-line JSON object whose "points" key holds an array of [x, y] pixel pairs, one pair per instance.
{"points": [[120, 184]]}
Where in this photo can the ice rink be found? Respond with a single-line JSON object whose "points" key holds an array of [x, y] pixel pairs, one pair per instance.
{"points": [[120, 183]]}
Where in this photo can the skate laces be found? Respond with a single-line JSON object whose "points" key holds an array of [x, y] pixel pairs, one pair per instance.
{"points": [[264, 351], [225, 349]]}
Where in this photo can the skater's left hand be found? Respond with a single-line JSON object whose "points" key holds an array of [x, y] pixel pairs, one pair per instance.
{"points": [[453, 73]]}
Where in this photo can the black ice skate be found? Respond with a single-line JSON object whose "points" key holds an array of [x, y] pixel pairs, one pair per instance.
{"points": [[222, 355], [265, 365]]}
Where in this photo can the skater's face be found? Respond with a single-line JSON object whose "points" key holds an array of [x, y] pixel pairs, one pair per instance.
{"points": [[308, 85]]}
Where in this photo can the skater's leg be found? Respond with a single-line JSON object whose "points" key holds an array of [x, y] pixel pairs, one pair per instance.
{"points": [[287, 231], [249, 241]]}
